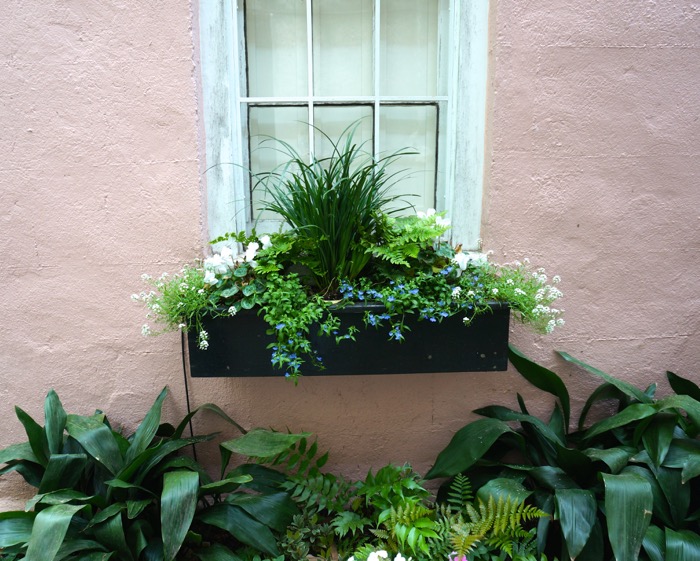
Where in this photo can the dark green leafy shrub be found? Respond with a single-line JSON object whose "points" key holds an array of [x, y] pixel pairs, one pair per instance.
{"points": [[101, 495], [626, 486]]}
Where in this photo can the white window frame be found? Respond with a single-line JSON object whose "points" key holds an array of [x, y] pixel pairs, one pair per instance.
{"points": [[227, 198]]}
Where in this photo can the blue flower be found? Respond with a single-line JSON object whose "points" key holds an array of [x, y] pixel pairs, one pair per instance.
{"points": [[414, 291], [279, 326]]}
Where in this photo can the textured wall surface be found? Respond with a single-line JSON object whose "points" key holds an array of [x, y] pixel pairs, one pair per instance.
{"points": [[592, 172]]}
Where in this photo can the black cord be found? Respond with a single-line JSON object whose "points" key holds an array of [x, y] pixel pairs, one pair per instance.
{"points": [[187, 391]]}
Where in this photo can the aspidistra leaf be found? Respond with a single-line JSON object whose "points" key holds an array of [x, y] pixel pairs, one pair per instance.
{"points": [[178, 503], [147, 429], [54, 422], [577, 511], [49, 530]]}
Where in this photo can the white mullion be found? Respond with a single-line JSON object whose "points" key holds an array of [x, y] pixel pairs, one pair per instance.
{"points": [[376, 54], [346, 99], [310, 73]]}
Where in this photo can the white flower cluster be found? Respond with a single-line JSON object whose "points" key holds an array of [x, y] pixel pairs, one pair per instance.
{"points": [[381, 554], [462, 259], [431, 214], [221, 265]]}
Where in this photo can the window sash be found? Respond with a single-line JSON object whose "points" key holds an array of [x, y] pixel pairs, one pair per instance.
{"points": [[226, 184]]}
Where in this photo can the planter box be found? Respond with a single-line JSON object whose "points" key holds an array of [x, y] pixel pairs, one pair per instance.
{"points": [[238, 347]]}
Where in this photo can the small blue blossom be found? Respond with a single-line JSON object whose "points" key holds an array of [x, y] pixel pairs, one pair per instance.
{"points": [[414, 291], [279, 326]]}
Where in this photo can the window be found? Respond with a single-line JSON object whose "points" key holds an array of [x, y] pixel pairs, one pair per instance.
{"points": [[412, 71]]}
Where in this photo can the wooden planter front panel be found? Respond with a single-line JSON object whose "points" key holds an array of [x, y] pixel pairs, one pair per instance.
{"points": [[238, 347]]}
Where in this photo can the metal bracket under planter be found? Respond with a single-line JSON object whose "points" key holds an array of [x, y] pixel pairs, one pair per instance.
{"points": [[238, 346]]}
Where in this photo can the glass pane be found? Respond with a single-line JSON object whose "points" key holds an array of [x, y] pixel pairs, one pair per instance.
{"points": [[276, 48], [409, 47], [266, 124], [334, 120], [342, 40], [413, 127]]}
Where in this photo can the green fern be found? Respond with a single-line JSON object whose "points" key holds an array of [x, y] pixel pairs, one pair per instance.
{"points": [[460, 492], [411, 526]]}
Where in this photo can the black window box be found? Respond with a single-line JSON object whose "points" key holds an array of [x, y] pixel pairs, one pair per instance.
{"points": [[238, 346]]}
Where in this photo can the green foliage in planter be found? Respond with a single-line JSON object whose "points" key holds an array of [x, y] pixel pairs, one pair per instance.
{"points": [[102, 495], [342, 246], [625, 486], [335, 205]]}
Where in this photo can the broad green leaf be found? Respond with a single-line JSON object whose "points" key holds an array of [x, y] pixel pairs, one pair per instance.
{"points": [[263, 443], [109, 512], [677, 494], [628, 508], [111, 534], [614, 458], [594, 549], [15, 452], [275, 511], [48, 532], [687, 403], [657, 437], [505, 488], [119, 484], [84, 548], [147, 429], [575, 463], [654, 543], [31, 472], [577, 510], [135, 508], [15, 527], [630, 414], [151, 458], [35, 435], [225, 485], [508, 415], [604, 392], [178, 503], [63, 471], [137, 536], [97, 439], [682, 546], [241, 525], [265, 479], [682, 386], [552, 478], [542, 378], [217, 552], [468, 445], [54, 422], [59, 497], [624, 387], [661, 507]]}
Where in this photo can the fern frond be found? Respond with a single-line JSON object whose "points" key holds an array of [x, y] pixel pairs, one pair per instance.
{"points": [[460, 492]]}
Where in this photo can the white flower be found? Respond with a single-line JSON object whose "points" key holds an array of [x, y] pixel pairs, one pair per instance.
{"points": [[455, 292], [145, 330], [210, 278], [520, 292], [377, 555], [442, 221], [265, 241], [427, 214], [216, 264], [251, 251], [204, 345], [181, 326], [556, 279], [232, 311], [145, 277], [135, 297], [400, 557], [510, 281], [494, 291], [227, 257], [471, 294], [461, 260]]}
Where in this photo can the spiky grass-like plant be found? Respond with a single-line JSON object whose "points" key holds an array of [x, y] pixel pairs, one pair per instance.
{"points": [[334, 204]]}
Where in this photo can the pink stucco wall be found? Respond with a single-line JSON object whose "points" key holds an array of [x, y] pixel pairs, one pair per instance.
{"points": [[592, 171]]}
